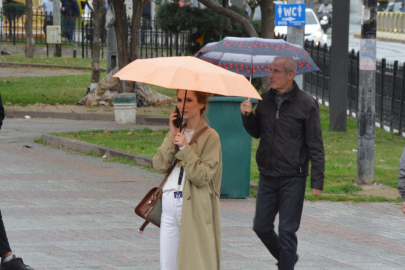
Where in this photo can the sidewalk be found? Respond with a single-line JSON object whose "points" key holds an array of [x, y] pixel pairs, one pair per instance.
{"points": [[64, 210]]}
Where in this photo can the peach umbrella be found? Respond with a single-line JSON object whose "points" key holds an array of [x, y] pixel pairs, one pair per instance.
{"points": [[188, 73]]}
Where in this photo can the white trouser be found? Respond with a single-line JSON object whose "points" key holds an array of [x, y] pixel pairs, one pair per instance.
{"points": [[169, 231]]}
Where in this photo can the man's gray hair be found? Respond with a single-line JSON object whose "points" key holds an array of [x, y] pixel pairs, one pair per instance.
{"points": [[290, 64]]}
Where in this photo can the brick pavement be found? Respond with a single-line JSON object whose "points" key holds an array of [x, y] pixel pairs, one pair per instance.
{"points": [[63, 210]]}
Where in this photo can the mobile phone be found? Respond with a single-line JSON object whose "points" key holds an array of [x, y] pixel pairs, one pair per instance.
{"points": [[178, 121]]}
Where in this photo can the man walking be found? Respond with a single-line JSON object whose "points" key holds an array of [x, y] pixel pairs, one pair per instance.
{"points": [[8, 260], [288, 124], [47, 5]]}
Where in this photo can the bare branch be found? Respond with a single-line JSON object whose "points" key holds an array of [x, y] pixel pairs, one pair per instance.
{"points": [[232, 15]]}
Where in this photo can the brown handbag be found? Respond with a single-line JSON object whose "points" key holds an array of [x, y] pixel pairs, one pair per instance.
{"points": [[150, 207]]}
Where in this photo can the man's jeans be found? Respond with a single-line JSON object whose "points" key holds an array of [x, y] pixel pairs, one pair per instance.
{"points": [[286, 196], [4, 245]]}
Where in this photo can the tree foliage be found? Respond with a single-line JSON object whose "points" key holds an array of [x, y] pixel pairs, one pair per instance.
{"points": [[171, 17], [12, 8]]}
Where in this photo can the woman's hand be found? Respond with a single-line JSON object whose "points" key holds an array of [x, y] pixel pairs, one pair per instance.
{"points": [[180, 140], [173, 117]]}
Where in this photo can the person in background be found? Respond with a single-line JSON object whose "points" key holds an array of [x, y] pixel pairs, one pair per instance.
{"points": [[70, 11], [8, 260], [401, 180], [47, 5]]}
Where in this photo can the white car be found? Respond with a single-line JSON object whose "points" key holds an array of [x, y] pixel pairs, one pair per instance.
{"points": [[313, 30]]}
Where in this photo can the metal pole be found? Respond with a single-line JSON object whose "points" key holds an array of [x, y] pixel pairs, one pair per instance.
{"points": [[339, 63], [295, 35], [57, 21], [367, 86]]}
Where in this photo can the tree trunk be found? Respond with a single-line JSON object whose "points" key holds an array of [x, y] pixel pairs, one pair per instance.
{"points": [[267, 10], [29, 48], [98, 13], [137, 9], [121, 31], [232, 15]]}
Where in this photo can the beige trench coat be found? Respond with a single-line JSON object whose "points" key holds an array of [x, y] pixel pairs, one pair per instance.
{"points": [[200, 232]]}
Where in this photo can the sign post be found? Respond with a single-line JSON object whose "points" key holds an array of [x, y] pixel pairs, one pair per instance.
{"points": [[293, 16]]}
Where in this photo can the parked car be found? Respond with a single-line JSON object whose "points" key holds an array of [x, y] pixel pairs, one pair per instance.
{"points": [[313, 29]]}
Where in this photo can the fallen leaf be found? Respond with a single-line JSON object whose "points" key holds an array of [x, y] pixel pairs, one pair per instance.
{"points": [[104, 157], [27, 146], [381, 160], [68, 81], [130, 133], [8, 102], [63, 94], [65, 60], [346, 152], [52, 103], [71, 110]]}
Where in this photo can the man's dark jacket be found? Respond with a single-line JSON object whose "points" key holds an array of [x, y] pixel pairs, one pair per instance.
{"points": [[289, 138], [1, 112], [71, 8]]}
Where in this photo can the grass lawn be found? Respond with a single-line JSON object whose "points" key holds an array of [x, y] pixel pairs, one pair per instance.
{"points": [[67, 89], [56, 61], [144, 142], [340, 163]]}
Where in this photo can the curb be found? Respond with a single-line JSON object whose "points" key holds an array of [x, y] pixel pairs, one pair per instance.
{"points": [[70, 144], [140, 119], [47, 66]]}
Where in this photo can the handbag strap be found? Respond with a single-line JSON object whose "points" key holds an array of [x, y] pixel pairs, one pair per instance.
{"points": [[174, 163], [140, 230]]}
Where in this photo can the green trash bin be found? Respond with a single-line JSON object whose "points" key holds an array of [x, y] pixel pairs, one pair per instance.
{"points": [[225, 117]]}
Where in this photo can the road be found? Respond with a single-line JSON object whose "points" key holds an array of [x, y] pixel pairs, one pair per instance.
{"points": [[389, 50], [64, 210]]}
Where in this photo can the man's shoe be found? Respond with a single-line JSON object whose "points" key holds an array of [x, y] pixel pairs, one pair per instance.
{"points": [[296, 259], [15, 263]]}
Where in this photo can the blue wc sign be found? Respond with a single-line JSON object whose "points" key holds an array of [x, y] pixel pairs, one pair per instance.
{"points": [[290, 15]]}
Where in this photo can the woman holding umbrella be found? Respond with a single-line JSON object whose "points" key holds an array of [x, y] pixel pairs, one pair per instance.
{"points": [[190, 236]]}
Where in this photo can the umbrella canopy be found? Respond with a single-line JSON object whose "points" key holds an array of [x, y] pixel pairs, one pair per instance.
{"points": [[189, 73], [252, 57]]}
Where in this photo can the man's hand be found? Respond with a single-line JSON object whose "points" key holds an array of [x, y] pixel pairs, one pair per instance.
{"points": [[316, 192], [246, 107], [403, 206]]}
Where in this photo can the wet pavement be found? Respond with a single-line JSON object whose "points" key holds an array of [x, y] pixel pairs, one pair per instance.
{"points": [[65, 210]]}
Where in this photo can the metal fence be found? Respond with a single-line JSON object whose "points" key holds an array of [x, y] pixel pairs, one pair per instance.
{"points": [[390, 87], [78, 31]]}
